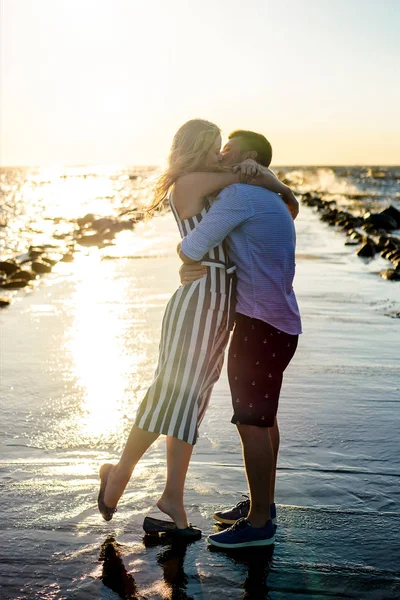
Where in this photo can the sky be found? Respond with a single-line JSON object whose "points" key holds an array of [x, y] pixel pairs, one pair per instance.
{"points": [[110, 81]]}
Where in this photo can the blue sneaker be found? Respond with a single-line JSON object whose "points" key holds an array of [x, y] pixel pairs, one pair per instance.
{"points": [[243, 535], [240, 511]]}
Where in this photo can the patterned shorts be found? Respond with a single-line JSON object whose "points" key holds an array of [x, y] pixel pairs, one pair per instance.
{"points": [[258, 355]]}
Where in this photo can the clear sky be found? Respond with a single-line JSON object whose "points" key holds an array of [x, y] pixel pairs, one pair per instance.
{"points": [[110, 81]]}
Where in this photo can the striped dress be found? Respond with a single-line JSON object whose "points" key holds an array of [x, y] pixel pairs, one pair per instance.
{"points": [[194, 336]]}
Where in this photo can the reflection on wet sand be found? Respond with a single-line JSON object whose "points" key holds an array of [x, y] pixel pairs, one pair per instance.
{"points": [[255, 563], [114, 575], [171, 558]]}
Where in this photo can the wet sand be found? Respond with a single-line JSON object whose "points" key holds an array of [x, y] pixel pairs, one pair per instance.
{"points": [[76, 356]]}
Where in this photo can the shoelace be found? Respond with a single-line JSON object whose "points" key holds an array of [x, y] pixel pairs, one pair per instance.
{"points": [[240, 523], [243, 502]]}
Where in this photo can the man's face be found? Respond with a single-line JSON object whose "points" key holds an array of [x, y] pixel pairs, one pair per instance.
{"points": [[231, 152]]}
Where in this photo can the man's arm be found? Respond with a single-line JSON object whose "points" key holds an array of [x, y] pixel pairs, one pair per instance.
{"points": [[229, 211]]}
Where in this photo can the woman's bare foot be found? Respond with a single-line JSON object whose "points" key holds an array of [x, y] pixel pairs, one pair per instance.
{"points": [[116, 484], [175, 510]]}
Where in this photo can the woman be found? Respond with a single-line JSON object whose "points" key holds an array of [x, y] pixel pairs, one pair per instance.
{"points": [[195, 328]]}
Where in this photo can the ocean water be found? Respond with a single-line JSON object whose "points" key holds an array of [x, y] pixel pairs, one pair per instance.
{"points": [[78, 349]]}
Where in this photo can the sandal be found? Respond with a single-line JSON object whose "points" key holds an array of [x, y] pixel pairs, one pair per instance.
{"points": [[105, 511], [156, 526]]}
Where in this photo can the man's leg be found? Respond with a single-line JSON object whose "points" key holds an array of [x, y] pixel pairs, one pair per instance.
{"points": [[275, 440], [259, 464]]}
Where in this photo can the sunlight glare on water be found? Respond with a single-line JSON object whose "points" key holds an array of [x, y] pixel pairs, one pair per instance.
{"points": [[100, 360]]}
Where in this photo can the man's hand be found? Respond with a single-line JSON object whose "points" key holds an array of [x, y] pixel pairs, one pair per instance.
{"points": [[189, 273]]}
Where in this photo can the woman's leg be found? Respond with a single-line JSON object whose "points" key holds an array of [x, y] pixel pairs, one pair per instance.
{"points": [[138, 442], [171, 501]]}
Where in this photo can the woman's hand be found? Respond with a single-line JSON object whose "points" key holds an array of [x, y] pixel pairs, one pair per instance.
{"points": [[190, 273], [291, 202], [248, 169], [271, 182]]}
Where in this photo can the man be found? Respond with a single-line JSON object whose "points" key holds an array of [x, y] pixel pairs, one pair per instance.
{"points": [[261, 241]]}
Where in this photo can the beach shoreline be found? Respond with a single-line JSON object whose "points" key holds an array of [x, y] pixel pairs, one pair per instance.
{"points": [[68, 405]]}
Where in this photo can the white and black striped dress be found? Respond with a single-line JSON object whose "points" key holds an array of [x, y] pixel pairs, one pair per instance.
{"points": [[193, 340]]}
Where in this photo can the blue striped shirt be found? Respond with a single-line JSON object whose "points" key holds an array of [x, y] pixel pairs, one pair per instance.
{"points": [[261, 240]]}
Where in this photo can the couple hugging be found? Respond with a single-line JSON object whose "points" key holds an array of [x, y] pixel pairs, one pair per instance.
{"points": [[238, 254]]}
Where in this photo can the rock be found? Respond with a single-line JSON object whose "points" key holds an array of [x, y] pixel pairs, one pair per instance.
{"points": [[392, 212], [391, 245], [369, 228], [49, 261], [8, 267], [104, 223], [381, 221], [89, 218], [23, 275], [396, 265], [69, 257], [311, 199], [14, 284], [330, 216], [40, 267], [96, 239], [367, 251], [4, 302], [35, 251], [392, 254], [385, 252], [391, 274]]}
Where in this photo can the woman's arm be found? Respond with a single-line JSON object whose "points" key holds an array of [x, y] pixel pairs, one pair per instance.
{"points": [[190, 189], [266, 178]]}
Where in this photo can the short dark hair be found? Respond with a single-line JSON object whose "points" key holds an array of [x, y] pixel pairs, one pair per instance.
{"points": [[249, 141]]}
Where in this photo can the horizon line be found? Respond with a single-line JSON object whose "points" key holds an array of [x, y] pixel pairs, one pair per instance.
{"points": [[127, 165]]}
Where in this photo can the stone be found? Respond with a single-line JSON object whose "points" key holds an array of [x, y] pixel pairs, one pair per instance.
{"points": [[35, 251], [23, 275], [367, 251], [391, 275], [381, 221], [40, 267], [8, 267], [4, 302], [69, 257], [14, 284], [394, 213], [89, 218], [104, 223]]}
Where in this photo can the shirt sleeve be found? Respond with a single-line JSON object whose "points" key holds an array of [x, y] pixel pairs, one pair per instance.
{"points": [[228, 211]]}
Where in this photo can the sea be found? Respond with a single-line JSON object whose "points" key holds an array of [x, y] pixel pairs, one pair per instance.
{"points": [[79, 347]]}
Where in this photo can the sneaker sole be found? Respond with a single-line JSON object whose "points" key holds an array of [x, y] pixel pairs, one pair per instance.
{"points": [[223, 521], [231, 522], [267, 542]]}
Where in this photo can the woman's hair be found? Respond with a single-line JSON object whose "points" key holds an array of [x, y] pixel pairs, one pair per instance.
{"points": [[190, 147]]}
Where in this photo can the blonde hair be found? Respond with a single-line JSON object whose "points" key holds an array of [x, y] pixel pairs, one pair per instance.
{"points": [[190, 147]]}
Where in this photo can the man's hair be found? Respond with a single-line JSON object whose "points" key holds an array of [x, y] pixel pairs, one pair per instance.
{"points": [[249, 141]]}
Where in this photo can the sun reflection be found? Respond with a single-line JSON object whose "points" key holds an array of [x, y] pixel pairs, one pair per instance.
{"points": [[97, 346]]}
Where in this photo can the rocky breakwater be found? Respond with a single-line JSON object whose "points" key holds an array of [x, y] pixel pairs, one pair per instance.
{"points": [[17, 272], [371, 233]]}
